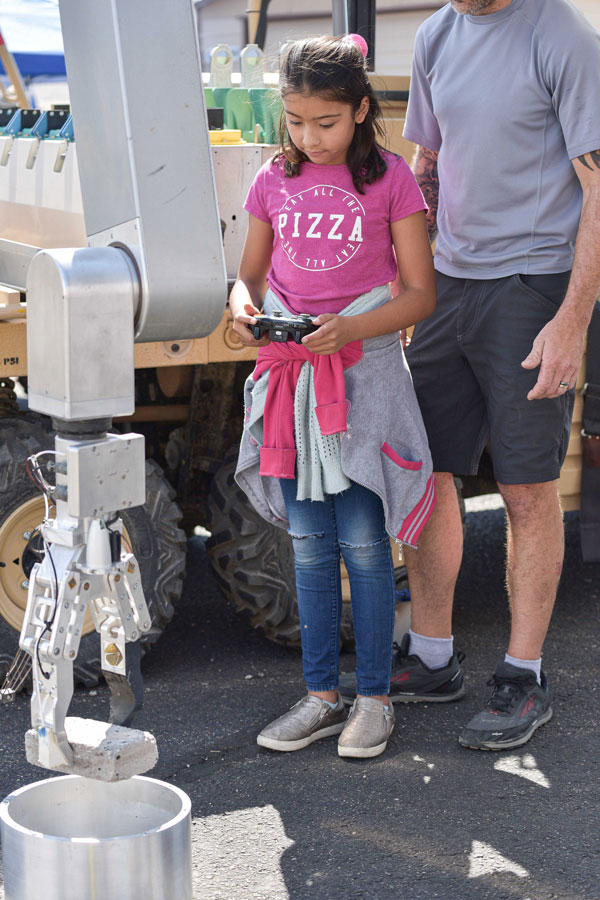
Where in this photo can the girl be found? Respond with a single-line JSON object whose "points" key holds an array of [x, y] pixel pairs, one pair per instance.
{"points": [[334, 447]]}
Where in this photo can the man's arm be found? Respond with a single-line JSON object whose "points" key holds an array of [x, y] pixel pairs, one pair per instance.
{"points": [[425, 171], [558, 348]]}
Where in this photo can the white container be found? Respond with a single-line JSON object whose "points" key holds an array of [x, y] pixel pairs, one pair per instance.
{"points": [[73, 838]]}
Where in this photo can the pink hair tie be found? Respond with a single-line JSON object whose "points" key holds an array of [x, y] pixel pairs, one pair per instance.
{"points": [[359, 41]]}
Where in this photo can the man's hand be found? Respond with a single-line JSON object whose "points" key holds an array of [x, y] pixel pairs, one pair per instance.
{"points": [[558, 348], [333, 334], [558, 351], [241, 320]]}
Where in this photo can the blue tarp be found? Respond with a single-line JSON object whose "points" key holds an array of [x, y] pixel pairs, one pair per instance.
{"points": [[31, 31]]}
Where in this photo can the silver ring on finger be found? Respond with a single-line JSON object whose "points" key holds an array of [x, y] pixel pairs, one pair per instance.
{"points": [[563, 384]]}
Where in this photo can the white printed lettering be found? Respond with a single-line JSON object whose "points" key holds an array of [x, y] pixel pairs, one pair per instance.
{"points": [[311, 233], [282, 223], [357, 230], [337, 220]]}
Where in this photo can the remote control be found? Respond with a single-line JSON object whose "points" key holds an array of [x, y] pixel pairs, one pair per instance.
{"points": [[283, 328]]}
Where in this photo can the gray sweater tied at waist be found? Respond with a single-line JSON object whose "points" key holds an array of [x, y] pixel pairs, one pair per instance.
{"points": [[384, 448]]}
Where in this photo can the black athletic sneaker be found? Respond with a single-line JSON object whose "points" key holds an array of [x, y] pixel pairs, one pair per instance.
{"points": [[517, 707], [413, 682]]}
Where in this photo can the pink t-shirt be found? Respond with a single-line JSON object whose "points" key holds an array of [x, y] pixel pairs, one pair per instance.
{"points": [[331, 243]]}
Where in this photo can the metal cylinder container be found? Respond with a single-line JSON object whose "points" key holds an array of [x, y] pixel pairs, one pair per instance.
{"points": [[72, 838]]}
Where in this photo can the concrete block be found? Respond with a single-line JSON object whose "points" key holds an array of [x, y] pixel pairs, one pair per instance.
{"points": [[100, 750]]}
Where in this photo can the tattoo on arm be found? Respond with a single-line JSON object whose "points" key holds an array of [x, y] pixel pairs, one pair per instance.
{"points": [[589, 160], [425, 171]]}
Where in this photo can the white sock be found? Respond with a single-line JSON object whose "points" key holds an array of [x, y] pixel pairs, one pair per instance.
{"points": [[535, 665], [329, 703], [434, 652]]}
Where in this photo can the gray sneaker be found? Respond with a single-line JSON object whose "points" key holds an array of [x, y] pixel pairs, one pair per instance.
{"points": [[368, 728], [412, 681], [308, 720], [517, 707]]}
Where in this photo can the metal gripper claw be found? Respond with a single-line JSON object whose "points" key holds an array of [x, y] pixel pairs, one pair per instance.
{"points": [[62, 589]]}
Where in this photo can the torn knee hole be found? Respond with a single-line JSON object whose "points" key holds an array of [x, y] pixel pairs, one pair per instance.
{"points": [[301, 537], [363, 546]]}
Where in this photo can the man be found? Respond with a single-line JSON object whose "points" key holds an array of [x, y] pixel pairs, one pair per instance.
{"points": [[505, 109]]}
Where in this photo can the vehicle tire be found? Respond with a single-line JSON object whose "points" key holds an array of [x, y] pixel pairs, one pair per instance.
{"points": [[151, 530], [159, 545], [252, 560]]}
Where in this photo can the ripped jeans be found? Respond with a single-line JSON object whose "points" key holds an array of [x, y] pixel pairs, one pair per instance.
{"points": [[350, 523]]}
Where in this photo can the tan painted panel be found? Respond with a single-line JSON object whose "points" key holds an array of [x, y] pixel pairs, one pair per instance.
{"points": [[390, 82], [171, 353], [395, 142], [13, 349], [581, 376], [175, 412], [570, 476], [224, 345], [578, 408], [569, 484], [574, 448], [570, 502]]}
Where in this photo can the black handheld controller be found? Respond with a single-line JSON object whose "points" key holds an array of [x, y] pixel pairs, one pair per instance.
{"points": [[283, 328]]}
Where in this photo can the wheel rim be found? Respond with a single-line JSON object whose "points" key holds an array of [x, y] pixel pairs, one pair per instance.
{"points": [[14, 535]]}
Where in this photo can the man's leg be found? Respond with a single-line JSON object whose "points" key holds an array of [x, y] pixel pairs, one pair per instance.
{"points": [[430, 673], [535, 549], [433, 568], [520, 702]]}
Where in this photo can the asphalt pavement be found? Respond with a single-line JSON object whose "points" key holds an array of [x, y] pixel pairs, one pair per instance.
{"points": [[428, 819]]}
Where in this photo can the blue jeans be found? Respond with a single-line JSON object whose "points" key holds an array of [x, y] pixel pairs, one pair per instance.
{"points": [[350, 523]]}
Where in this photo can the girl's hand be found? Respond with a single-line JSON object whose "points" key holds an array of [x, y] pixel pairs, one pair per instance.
{"points": [[334, 332], [241, 320]]}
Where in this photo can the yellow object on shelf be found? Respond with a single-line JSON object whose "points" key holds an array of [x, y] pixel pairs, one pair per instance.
{"points": [[226, 136]]}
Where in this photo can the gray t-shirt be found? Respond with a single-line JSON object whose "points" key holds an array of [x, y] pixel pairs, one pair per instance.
{"points": [[508, 99]]}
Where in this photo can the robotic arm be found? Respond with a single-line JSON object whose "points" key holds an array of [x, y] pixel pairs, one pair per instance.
{"points": [[154, 270]]}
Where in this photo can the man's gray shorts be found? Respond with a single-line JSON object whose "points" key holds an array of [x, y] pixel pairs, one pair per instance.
{"points": [[466, 365]]}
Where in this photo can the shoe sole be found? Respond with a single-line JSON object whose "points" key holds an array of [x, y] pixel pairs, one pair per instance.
{"points": [[363, 752], [507, 745], [418, 698], [288, 746]]}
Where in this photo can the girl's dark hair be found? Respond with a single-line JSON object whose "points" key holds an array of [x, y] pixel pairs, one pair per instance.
{"points": [[334, 69]]}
